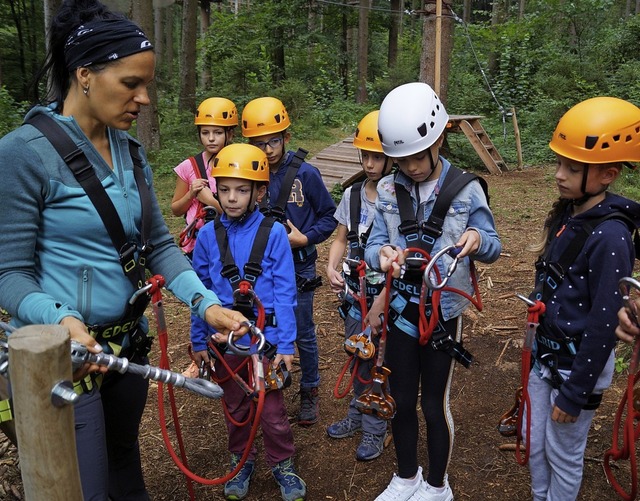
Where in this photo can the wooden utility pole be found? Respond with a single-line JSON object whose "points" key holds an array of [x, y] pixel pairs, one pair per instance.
{"points": [[39, 361], [438, 54]]}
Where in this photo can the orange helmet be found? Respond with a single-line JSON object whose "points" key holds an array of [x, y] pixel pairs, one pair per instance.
{"points": [[217, 111], [241, 161], [366, 136], [600, 130], [265, 115]]}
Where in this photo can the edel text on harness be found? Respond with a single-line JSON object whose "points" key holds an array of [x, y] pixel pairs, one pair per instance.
{"points": [[420, 238]]}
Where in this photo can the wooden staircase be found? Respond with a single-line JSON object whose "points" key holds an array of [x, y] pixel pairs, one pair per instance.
{"points": [[479, 139]]}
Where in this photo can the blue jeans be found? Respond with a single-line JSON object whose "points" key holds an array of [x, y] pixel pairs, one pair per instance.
{"points": [[306, 340]]}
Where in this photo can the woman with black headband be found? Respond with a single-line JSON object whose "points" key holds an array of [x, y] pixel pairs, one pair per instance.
{"points": [[77, 244]]}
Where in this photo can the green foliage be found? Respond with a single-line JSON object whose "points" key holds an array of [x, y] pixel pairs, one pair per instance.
{"points": [[336, 193], [11, 112]]}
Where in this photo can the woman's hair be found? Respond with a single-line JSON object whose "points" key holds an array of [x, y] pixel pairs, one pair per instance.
{"points": [[54, 75]]}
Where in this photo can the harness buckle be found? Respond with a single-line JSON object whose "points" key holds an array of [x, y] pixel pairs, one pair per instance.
{"points": [[231, 272]]}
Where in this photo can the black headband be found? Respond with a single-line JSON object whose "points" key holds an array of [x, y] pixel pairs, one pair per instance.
{"points": [[103, 41]]}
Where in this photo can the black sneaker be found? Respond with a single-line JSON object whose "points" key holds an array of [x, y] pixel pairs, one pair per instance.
{"points": [[309, 406]]}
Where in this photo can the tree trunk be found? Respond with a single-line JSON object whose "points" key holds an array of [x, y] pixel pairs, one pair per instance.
{"points": [[492, 59], [521, 9], [466, 12], [205, 22], [148, 125], [394, 32], [169, 49], [428, 57], [187, 97], [363, 50], [343, 65]]}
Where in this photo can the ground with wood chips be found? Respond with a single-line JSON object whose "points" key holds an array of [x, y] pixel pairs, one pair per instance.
{"points": [[479, 470]]}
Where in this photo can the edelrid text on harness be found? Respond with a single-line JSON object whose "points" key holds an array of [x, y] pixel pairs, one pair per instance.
{"points": [[132, 266], [242, 301], [422, 235]]}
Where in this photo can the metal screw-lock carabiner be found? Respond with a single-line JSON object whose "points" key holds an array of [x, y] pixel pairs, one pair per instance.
{"points": [[246, 351], [625, 284], [452, 251]]}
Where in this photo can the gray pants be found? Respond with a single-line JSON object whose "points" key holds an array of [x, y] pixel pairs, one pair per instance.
{"points": [[556, 454]]}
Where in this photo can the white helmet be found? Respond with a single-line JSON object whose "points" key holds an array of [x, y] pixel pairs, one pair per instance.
{"points": [[412, 118]]}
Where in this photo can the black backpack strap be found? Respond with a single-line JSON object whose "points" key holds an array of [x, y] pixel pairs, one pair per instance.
{"points": [[202, 168], [85, 174], [279, 209], [553, 273], [356, 248]]}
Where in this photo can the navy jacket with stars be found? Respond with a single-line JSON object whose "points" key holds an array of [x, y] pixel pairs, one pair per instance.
{"points": [[585, 305]]}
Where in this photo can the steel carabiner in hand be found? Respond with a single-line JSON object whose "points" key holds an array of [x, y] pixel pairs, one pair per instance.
{"points": [[246, 351], [452, 251]]}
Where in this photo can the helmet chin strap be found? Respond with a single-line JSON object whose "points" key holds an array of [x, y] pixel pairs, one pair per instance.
{"points": [[586, 196]]}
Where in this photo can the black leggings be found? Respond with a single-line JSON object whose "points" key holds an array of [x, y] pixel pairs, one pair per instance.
{"points": [[413, 366]]}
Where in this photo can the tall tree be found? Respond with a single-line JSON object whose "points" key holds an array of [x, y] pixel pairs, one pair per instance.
{"points": [[148, 125], [363, 50], [394, 31], [187, 97], [435, 37], [205, 22]]}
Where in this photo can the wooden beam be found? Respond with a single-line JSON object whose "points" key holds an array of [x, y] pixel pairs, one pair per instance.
{"points": [[40, 358]]}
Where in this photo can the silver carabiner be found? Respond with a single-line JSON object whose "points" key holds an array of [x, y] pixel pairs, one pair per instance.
{"points": [[453, 251], [140, 292], [246, 351]]}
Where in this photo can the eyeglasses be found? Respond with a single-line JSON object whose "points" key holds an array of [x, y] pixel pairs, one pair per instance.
{"points": [[273, 143]]}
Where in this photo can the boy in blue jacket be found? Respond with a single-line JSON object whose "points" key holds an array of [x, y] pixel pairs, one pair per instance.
{"points": [[298, 198], [242, 176]]}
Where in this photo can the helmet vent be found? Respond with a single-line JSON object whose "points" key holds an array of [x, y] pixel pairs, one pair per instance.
{"points": [[590, 142], [422, 130], [255, 165], [616, 138], [277, 118], [628, 139]]}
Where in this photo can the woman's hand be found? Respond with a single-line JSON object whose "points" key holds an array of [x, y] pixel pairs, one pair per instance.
{"points": [[79, 333], [225, 320]]}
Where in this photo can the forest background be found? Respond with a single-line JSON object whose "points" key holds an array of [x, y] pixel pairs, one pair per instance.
{"points": [[332, 61]]}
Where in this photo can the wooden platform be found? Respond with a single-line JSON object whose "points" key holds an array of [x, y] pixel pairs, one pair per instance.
{"points": [[340, 163]]}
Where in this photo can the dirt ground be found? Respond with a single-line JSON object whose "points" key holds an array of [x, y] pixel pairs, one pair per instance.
{"points": [[479, 470]]}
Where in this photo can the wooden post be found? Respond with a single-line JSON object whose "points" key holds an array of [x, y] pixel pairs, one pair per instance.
{"points": [[438, 55], [40, 358], [516, 132]]}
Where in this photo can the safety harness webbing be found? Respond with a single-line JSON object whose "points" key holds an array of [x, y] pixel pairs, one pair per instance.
{"points": [[252, 268], [199, 164], [86, 176], [425, 235], [278, 210], [551, 274]]}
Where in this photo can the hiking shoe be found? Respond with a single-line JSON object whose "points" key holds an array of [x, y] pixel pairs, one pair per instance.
{"points": [[371, 446], [238, 486], [292, 487], [344, 428], [401, 489], [427, 492], [309, 406]]}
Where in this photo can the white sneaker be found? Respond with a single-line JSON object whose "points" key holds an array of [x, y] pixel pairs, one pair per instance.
{"points": [[427, 492], [400, 489]]}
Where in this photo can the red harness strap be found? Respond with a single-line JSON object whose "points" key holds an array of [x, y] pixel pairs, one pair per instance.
{"points": [[533, 320]]}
